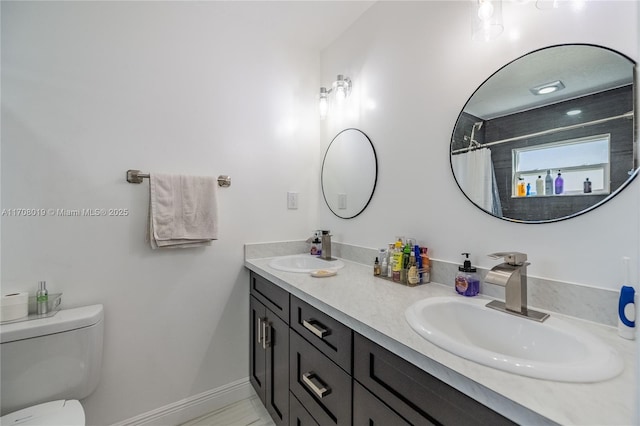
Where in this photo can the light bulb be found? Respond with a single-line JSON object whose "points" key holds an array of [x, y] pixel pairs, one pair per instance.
{"points": [[485, 10], [323, 105], [341, 93]]}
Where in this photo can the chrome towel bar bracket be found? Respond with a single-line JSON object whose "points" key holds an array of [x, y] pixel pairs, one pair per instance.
{"points": [[136, 176]]}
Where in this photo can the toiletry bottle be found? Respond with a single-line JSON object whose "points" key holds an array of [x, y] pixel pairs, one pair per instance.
{"points": [[390, 268], [587, 186], [376, 267], [385, 267], [413, 279], [521, 191], [316, 244], [397, 261], [548, 184], [42, 298], [559, 183], [426, 265], [528, 189], [416, 253], [626, 306], [467, 281], [539, 186], [406, 252]]}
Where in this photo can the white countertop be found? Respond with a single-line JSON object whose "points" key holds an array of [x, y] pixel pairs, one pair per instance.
{"points": [[375, 308]]}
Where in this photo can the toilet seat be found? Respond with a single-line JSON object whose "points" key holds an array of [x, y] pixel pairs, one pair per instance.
{"points": [[54, 413]]}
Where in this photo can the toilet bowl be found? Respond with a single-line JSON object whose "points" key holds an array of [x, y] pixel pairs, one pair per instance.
{"points": [[48, 364]]}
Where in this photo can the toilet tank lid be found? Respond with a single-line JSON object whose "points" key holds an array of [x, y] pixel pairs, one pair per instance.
{"points": [[63, 320]]}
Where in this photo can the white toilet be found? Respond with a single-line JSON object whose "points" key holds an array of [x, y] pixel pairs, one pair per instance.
{"points": [[48, 364]]}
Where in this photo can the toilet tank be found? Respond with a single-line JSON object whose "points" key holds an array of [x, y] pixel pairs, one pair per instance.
{"points": [[59, 357]]}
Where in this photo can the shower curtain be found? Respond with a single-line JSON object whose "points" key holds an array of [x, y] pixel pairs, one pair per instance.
{"points": [[475, 175]]}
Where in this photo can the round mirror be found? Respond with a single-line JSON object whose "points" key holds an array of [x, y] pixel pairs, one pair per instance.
{"points": [[548, 136], [349, 173]]}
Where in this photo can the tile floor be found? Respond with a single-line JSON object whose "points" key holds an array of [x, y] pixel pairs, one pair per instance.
{"points": [[247, 412]]}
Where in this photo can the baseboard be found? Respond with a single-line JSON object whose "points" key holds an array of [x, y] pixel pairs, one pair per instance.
{"points": [[194, 406]]}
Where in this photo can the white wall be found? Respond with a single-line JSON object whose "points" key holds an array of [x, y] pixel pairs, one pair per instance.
{"points": [[414, 66], [91, 89]]}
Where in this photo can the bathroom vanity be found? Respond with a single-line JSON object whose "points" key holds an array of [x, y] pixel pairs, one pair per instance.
{"points": [[338, 350], [328, 384]]}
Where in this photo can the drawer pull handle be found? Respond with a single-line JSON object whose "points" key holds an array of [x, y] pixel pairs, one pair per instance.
{"points": [[320, 389], [315, 328], [259, 331], [266, 338]]}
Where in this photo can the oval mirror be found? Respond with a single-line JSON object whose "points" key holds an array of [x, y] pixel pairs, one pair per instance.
{"points": [[349, 173], [548, 136]]}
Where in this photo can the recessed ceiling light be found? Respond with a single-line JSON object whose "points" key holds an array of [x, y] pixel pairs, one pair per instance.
{"points": [[546, 88], [574, 112]]}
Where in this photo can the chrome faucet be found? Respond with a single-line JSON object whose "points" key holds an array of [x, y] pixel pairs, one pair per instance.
{"points": [[512, 275], [326, 245]]}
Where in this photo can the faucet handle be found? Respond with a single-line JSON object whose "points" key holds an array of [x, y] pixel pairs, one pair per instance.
{"points": [[512, 258]]}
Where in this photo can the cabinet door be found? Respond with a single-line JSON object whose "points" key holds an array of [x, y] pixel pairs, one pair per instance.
{"points": [[277, 344], [370, 411], [257, 354]]}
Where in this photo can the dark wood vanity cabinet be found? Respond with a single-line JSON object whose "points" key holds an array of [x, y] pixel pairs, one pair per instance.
{"points": [[269, 347], [414, 394], [310, 369]]}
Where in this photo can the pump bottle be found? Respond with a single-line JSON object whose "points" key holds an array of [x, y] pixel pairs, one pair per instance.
{"points": [[467, 281], [42, 298]]}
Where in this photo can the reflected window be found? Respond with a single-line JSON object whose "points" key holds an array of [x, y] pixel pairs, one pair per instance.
{"points": [[576, 159]]}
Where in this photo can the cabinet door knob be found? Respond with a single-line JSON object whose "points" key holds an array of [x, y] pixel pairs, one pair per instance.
{"points": [[315, 327], [320, 389]]}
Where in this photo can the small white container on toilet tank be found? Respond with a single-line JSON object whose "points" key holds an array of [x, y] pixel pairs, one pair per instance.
{"points": [[49, 359]]}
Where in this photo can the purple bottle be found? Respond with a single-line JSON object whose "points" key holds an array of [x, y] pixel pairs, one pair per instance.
{"points": [[467, 281], [559, 184]]}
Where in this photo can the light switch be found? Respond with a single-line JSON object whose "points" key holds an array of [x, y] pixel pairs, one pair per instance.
{"points": [[292, 200]]}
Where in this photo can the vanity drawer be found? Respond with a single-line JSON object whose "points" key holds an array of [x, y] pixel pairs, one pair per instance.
{"points": [[273, 297], [298, 416], [415, 394], [370, 411], [322, 387], [328, 335]]}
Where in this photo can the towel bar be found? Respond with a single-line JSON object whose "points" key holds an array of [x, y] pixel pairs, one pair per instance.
{"points": [[135, 176]]}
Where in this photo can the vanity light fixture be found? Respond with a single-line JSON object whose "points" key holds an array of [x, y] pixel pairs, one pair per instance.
{"points": [[486, 20], [341, 88], [547, 88]]}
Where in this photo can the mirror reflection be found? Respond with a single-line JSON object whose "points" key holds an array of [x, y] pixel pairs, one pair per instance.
{"points": [[548, 136], [349, 173]]}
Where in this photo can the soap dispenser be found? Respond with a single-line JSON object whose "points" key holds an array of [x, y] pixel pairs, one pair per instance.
{"points": [[467, 281]]}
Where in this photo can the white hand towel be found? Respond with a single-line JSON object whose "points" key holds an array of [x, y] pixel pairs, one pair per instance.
{"points": [[182, 211]]}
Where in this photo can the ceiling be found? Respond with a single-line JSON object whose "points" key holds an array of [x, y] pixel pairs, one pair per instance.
{"points": [[583, 69]]}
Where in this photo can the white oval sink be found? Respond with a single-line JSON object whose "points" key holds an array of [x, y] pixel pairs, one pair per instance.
{"points": [[552, 350], [304, 263]]}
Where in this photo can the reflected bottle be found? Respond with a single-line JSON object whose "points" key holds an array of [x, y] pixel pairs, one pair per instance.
{"points": [[587, 186], [559, 184], [539, 186], [522, 191], [548, 184]]}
